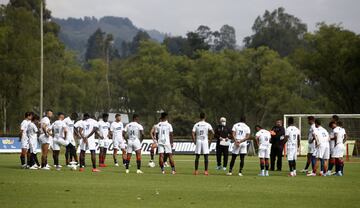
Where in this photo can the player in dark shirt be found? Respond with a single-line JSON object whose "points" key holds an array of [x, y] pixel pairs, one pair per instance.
{"points": [[277, 135]]}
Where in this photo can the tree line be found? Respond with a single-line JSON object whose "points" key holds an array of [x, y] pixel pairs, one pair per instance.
{"points": [[282, 68]]}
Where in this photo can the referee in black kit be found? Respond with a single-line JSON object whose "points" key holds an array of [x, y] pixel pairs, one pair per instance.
{"points": [[222, 136], [277, 136]]}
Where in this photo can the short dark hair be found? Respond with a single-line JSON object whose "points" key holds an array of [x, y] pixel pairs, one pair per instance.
{"points": [[117, 115], [163, 115], [340, 123], [27, 114], [331, 123], [74, 115], [86, 116], [311, 118], [243, 118], [317, 121], [258, 126], [60, 113], [202, 115], [335, 118], [135, 116], [105, 115], [36, 118], [290, 121], [48, 110]]}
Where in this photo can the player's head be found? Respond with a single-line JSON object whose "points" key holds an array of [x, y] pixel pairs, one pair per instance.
{"points": [[163, 116], [258, 127], [311, 120], [202, 116], [317, 122], [117, 117], [290, 121], [29, 115], [86, 116], [61, 116], [223, 121], [335, 118], [340, 123], [242, 119], [136, 117], [49, 113], [332, 124], [279, 122], [35, 119], [105, 117], [74, 116]]}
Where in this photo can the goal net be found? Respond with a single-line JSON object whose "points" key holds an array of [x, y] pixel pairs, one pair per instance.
{"points": [[351, 123]]}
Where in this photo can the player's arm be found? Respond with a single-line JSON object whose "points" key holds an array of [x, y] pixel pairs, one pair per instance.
{"points": [[152, 133], [142, 135], [193, 136], [211, 135], [171, 139], [345, 138], [92, 132], [247, 137], [298, 140], [65, 133], [257, 140], [21, 133], [233, 135]]}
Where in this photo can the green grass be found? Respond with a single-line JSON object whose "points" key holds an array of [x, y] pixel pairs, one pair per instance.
{"points": [[113, 188]]}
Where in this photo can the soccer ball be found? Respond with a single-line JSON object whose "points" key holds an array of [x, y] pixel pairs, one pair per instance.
{"points": [[73, 167], [151, 164]]}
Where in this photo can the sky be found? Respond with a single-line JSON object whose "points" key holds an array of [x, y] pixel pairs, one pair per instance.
{"points": [[177, 17]]}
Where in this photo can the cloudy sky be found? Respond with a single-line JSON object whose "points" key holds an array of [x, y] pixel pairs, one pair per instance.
{"points": [[180, 16]]}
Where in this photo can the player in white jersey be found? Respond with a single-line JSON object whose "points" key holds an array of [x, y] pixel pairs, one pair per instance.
{"points": [[164, 131], [202, 133], [263, 140], [88, 129], [134, 135], [240, 134], [60, 138], [339, 137], [117, 135], [292, 138], [45, 138], [311, 158], [104, 141], [322, 147], [154, 145], [78, 132], [334, 119], [24, 139], [32, 133], [70, 154]]}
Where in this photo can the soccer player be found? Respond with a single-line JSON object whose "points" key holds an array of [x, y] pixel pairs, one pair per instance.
{"points": [[60, 133], [292, 138], [240, 133], [104, 142], [322, 148], [32, 132], [164, 131], [334, 119], [25, 140], [88, 129], [154, 144], [339, 137], [70, 154], [116, 132], [263, 140], [134, 136], [201, 135], [45, 138], [311, 156]]}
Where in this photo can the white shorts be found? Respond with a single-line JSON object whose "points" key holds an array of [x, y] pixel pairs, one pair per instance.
{"points": [[58, 142], [90, 145], [25, 143], [241, 149], [33, 143], [133, 145], [202, 147], [291, 154], [101, 142], [105, 143], [72, 141], [311, 148], [164, 148], [339, 151], [323, 152], [264, 153], [119, 144], [45, 139]]}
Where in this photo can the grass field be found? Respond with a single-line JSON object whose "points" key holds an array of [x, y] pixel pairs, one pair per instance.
{"points": [[113, 188]]}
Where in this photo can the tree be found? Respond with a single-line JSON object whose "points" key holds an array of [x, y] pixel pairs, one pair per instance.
{"points": [[177, 45], [131, 48], [277, 30], [226, 38]]}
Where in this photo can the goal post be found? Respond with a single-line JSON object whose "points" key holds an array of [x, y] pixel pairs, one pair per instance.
{"points": [[351, 123]]}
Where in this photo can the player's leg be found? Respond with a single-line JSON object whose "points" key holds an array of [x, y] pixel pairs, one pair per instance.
{"points": [[225, 150], [115, 156], [22, 157], [205, 151], [161, 162], [266, 166], [279, 159], [242, 163], [206, 163], [232, 163], [272, 158], [165, 160], [262, 167], [104, 156], [67, 155], [44, 153], [73, 154], [128, 158], [308, 162], [93, 160], [101, 156], [168, 151], [138, 161], [124, 156], [197, 157], [218, 156]]}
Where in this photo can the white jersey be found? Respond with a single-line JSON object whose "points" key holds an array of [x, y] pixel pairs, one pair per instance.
{"points": [[340, 135], [117, 129], [264, 139], [240, 129], [58, 128], [322, 136], [133, 131], [293, 133], [88, 126], [201, 130], [31, 131], [104, 129], [45, 122], [70, 128], [23, 126], [163, 129]]}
